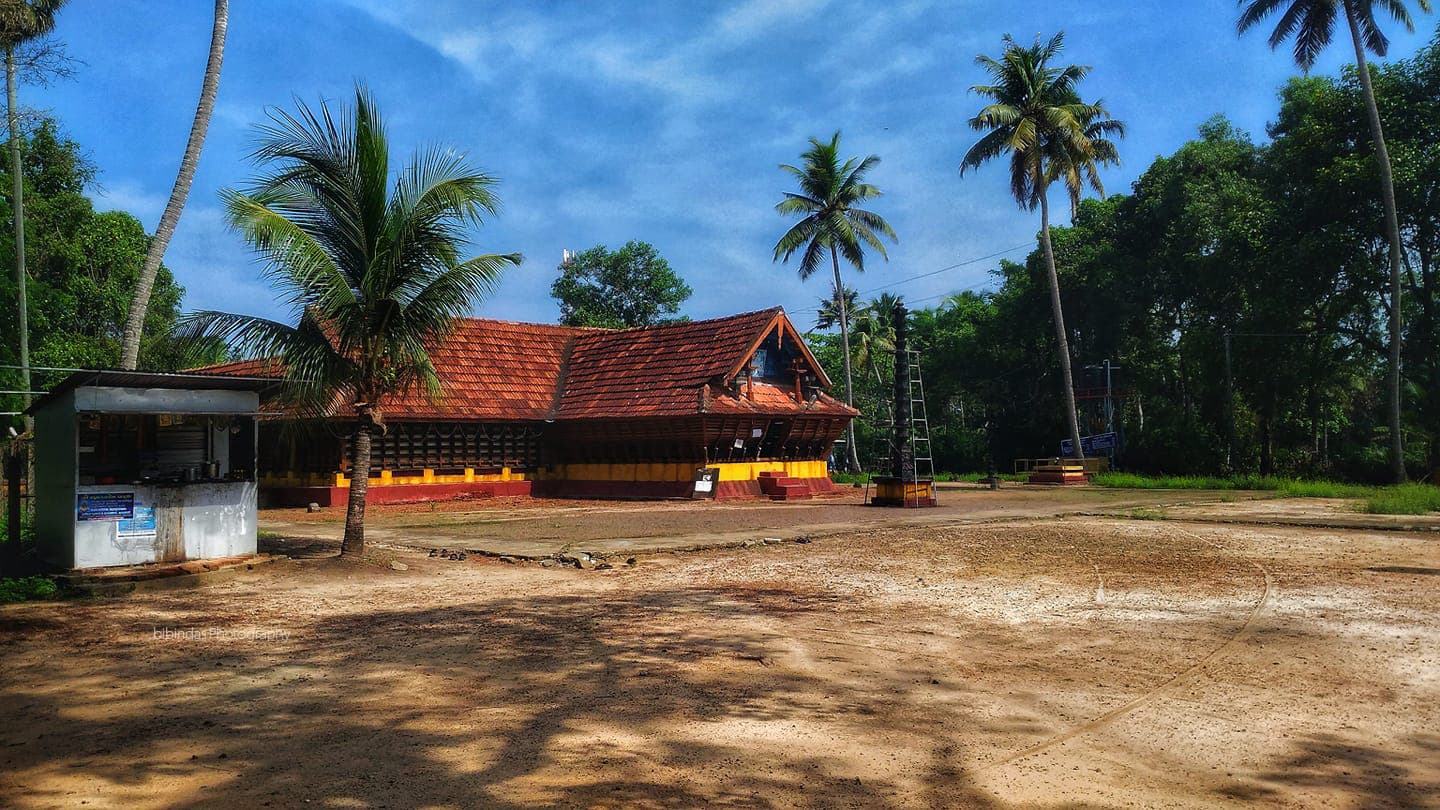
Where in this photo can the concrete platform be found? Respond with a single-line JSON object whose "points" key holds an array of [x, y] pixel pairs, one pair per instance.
{"points": [[159, 576]]}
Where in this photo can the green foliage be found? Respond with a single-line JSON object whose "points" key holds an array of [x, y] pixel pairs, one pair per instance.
{"points": [[27, 528], [27, 589], [1280, 245], [1406, 499], [632, 286]]}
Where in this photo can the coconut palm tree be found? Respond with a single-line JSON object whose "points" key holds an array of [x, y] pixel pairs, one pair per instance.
{"points": [[1035, 117], [874, 329], [20, 22], [1079, 170], [372, 268], [135, 320], [828, 309], [1312, 24], [831, 222]]}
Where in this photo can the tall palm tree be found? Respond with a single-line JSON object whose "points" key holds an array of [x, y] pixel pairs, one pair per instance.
{"points": [[1082, 169], [1312, 24], [831, 222], [209, 87], [20, 22], [371, 266], [1035, 116]]}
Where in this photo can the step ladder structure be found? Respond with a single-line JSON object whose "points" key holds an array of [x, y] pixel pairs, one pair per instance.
{"points": [[920, 450], [910, 482]]}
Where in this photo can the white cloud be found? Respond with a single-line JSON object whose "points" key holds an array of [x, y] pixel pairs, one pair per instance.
{"points": [[755, 17], [132, 198]]}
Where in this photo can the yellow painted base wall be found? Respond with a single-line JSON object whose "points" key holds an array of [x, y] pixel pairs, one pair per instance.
{"points": [[897, 490], [729, 471], [659, 472], [386, 479]]}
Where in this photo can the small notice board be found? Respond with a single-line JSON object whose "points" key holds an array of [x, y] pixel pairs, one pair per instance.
{"points": [[106, 506]]}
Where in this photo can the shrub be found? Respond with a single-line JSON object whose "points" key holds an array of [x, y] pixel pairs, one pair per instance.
{"points": [[27, 589]]}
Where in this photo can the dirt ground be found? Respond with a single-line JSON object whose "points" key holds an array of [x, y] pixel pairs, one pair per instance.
{"points": [[1040, 661], [542, 528]]}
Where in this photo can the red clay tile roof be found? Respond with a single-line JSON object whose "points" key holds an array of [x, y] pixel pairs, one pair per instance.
{"points": [[500, 370], [766, 398], [243, 368], [492, 370], [658, 370]]}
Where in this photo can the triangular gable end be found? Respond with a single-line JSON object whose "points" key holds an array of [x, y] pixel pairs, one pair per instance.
{"points": [[781, 323]]}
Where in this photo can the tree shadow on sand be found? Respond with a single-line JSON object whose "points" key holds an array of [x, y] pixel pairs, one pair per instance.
{"points": [[508, 702], [1367, 775]]}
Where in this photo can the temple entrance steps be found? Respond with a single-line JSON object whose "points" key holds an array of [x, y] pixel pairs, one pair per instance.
{"points": [[781, 487]]}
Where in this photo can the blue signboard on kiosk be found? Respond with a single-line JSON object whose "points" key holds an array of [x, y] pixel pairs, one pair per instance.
{"points": [[105, 506]]}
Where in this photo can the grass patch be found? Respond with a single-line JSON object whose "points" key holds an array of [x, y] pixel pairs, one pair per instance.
{"points": [[1405, 499], [27, 589], [1285, 487]]}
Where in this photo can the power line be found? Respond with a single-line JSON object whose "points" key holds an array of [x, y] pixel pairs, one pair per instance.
{"points": [[955, 266]]}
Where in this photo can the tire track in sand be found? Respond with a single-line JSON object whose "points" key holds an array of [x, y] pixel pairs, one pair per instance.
{"points": [[1239, 637]]}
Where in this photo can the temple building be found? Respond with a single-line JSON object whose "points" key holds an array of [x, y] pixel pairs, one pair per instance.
{"points": [[563, 411]]}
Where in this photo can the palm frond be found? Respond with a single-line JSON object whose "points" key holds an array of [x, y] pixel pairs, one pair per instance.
{"points": [[372, 265]]}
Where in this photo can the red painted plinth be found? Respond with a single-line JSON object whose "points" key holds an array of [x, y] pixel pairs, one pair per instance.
{"points": [[395, 493]]}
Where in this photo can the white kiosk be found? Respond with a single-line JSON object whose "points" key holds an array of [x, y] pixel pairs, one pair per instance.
{"points": [[136, 467]]}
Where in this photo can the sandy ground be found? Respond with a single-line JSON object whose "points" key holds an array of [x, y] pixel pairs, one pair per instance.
{"points": [[1038, 662], [542, 528]]}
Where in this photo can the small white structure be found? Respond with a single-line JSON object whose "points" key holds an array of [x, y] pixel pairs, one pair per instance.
{"points": [[135, 467]]}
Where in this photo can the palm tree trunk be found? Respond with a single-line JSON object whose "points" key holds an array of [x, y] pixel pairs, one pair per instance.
{"points": [[845, 353], [140, 302], [17, 201], [1062, 344], [1392, 228], [354, 543]]}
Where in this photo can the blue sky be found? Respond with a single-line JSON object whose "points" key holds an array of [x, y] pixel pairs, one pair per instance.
{"points": [[664, 122]]}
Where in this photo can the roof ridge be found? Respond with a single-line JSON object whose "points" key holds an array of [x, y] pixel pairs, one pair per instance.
{"points": [[679, 324], [607, 330], [562, 377]]}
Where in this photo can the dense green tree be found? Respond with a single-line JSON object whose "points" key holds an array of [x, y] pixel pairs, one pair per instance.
{"points": [[1267, 247], [832, 222], [21, 21], [82, 268], [1036, 118], [1312, 23], [371, 265], [632, 286]]}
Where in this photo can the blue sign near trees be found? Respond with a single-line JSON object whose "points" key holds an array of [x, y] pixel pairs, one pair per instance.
{"points": [[1092, 445]]}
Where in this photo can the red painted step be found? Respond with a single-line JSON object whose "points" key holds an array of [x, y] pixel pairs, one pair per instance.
{"points": [[772, 484], [790, 492]]}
